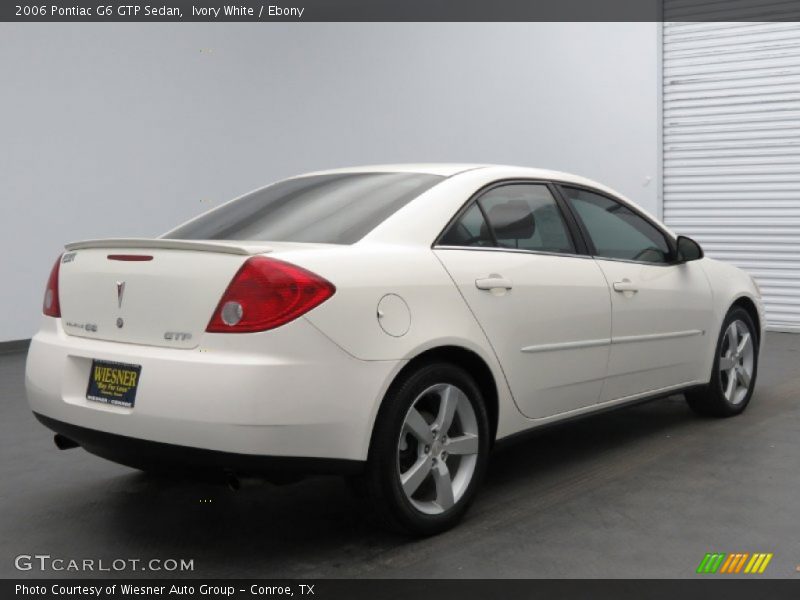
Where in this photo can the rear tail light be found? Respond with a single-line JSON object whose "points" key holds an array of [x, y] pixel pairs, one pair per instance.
{"points": [[52, 304], [267, 293]]}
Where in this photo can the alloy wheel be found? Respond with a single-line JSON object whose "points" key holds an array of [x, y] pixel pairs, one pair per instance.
{"points": [[437, 449], [736, 362]]}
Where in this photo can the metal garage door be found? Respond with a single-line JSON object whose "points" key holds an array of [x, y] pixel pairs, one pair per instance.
{"points": [[732, 149]]}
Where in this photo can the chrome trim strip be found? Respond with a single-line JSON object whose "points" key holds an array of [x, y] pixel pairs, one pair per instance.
{"points": [[564, 254], [630, 339], [639, 262], [566, 345], [512, 250]]}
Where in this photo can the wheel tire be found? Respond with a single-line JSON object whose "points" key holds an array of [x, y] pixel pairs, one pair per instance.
{"points": [[720, 397], [419, 514]]}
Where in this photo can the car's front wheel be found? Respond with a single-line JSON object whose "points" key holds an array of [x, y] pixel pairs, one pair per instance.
{"points": [[429, 449], [735, 367]]}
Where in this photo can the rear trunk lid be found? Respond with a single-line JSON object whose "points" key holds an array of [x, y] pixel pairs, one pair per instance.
{"points": [[150, 292]]}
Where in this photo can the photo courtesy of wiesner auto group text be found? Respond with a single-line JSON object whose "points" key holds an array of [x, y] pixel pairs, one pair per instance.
{"points": [[342, 299]]}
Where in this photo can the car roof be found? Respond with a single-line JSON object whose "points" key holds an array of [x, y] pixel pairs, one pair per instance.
{"points": [[478, 175], [452, 169], [443, 169]]}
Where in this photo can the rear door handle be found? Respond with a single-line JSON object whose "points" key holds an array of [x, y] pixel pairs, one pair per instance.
{"points": [[625, 286], [493, 283]]}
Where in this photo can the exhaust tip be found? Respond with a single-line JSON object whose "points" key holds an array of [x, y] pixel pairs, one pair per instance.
{"points": [[233, 482], [63, 442], [237, 482]]}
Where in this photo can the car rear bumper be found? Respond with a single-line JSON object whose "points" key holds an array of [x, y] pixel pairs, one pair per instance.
{"points": [[162, 457], [290, 392]]}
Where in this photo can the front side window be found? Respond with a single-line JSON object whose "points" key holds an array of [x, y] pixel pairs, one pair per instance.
{"points": [[616, 231], [334, 209], [520, 216]]}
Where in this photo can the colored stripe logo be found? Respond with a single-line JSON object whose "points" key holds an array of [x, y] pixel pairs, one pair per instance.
{"points": [[737, 562]]}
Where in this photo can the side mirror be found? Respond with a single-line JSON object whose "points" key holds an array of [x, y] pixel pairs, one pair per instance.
{"points": [[688, 249]]}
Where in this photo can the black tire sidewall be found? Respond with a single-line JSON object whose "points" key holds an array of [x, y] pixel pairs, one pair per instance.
{"points": [[384, 479]]}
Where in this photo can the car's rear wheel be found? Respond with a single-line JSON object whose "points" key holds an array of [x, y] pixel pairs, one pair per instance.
{"points": [[429, 449], [735, 368]]}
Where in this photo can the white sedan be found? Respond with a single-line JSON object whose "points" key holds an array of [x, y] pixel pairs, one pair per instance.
{"points": [[390, 323]]}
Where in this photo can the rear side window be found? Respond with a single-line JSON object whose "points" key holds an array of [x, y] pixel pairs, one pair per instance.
{"points": [[333, 209], [616, 231], [526, 216], [469, 230], [521, 216]]}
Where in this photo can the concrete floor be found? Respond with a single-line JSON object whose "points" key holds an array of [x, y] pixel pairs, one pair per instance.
{"points": [[642, 492]]}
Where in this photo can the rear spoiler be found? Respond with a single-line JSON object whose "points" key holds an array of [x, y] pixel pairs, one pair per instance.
{"points": [[243, 249]]}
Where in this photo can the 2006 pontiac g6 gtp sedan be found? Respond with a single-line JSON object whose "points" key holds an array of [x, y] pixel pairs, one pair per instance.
{"points": [[385, 323]]}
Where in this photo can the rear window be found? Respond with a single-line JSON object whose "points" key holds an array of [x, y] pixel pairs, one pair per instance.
{"points": [[331, 209]]}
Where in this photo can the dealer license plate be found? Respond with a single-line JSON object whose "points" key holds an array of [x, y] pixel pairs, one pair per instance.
{"points": [[113, 383]]}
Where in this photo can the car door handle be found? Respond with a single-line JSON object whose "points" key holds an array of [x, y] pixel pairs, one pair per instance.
{"points": [[493, 283], [625, 286]]}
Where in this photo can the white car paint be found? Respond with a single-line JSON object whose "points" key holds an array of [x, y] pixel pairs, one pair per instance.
{"points": [[560, 343], [660, 330], [555, 319]]}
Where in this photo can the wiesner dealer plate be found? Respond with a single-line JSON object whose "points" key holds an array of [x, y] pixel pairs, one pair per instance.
{"points": [[113, 383]]}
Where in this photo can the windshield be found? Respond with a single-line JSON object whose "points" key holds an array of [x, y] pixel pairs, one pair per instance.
{"points": [[333, 209]]}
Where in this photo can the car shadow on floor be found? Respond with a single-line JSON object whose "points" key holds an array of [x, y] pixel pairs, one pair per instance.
{"points": [[318, 527]]}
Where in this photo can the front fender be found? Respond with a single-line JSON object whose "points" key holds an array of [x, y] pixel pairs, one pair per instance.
{"points": [[729, 285]]}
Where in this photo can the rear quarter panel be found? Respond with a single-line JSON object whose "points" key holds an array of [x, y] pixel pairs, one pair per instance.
{"points": [[363, 274]]}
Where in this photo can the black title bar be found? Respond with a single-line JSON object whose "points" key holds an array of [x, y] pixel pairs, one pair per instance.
{"points": [[399, 10], [400, 589]]}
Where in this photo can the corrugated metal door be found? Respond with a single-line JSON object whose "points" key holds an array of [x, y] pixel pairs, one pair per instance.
{"points": [[732, 150]]}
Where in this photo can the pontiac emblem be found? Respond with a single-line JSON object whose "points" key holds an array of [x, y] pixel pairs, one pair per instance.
{"points": [[120, 292]]}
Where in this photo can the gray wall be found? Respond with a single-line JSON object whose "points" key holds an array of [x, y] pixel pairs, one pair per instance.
{"points": [[128, 129]]}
